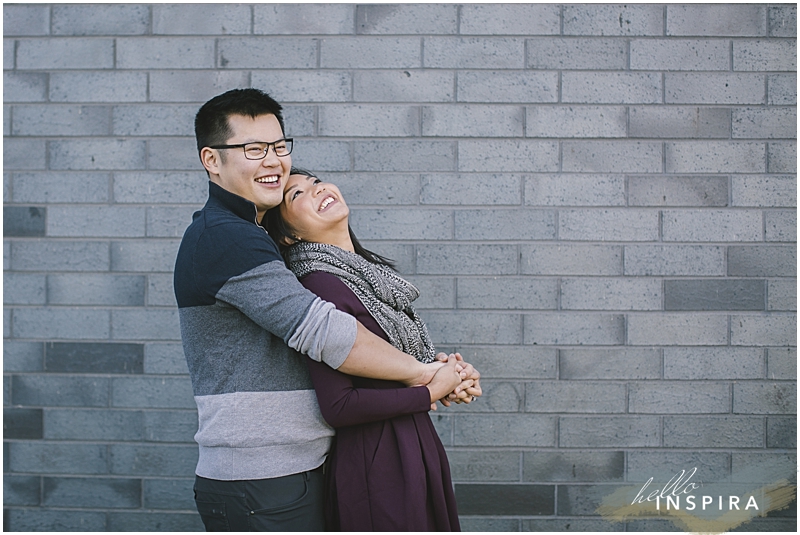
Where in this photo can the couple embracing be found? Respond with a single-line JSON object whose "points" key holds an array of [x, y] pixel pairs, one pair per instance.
{"points": [[340, 439]]}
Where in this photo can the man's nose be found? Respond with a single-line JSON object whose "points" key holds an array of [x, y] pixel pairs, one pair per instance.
{"points": [[271, 159]]}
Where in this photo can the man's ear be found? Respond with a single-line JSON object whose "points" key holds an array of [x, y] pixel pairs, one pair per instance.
{"points": [[210, 158]]}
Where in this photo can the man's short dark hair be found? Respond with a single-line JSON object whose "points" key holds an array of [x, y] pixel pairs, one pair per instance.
{"points": [[211, 125]]}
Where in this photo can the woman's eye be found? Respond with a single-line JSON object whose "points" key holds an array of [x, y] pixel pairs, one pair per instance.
{"points": [[317, 181], [295, 194]]}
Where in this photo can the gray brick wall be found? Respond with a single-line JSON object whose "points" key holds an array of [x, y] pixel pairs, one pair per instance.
{"points": [[597, 201]]}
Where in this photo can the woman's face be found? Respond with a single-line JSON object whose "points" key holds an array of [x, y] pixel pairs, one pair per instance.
{"points": [[313, 209]]}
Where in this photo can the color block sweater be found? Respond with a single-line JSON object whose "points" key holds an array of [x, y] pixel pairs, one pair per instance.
{"points": [[245, 319]]}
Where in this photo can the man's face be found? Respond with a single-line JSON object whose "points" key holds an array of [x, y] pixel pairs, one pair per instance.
{"points": [[258, 181]]}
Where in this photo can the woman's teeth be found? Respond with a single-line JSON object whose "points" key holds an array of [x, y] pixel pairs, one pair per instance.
{"points": [[325, 203]]}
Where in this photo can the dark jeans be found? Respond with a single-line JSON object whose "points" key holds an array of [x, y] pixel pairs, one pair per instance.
{"points": [[289, 503]]}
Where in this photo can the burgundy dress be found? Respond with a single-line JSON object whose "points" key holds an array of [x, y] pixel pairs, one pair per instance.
{"points": [[388, 470]]}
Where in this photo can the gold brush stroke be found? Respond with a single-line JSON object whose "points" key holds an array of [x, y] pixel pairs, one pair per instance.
{"points": [[775, 496]]}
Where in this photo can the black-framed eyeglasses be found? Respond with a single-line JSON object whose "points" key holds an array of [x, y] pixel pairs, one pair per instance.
{"points": [[258, 150]]}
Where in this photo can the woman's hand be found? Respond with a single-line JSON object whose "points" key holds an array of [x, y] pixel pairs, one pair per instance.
{"points": [[446, 380]]}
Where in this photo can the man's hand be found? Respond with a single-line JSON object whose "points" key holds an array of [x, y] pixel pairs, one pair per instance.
{"points": [[470, 387]]}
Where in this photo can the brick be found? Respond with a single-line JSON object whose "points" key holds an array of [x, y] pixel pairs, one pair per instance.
{"points": [[96, 221], [714, 88], [474, 53], [571, 259], [145, 460], [93, 425], [402, 224], [617, 363], [512, 362], [781, 89], [405, 155], [144, 255], [446, 259], [663, 465], [152, 392], [407, 19], [581, 397], [574, 329], [45, 520], [22, 423], [680, 122], [492, 189], [369, 120], [168, 221], [716, 20], [60, 187], [508, 156], [21, 490], [575, 190], [678, 191], [145, 324], [582, 499], [301, 120], [613, 20], [715, 157], [769, 123], [763, 467], [57, 53], [38, 120], [444, 428], [568, 524], [505, 19], [679, 397], [24, 289], [511, 86], [711, 225], [97, 155], [22, 356], [306, 86], [150, 521], [622, 224], [528, 430], [502, 396], [160, 291], [564, 466], [484, 465], [507, 293], [24, 86], [782, 295], [95, 289], [71, 323], [383, 189], [713, 432], [91, 492], [764, 190], [782, 157], [609, 431], [782, 432], [751, 330], [403, 255], [611, 157], [26, 20], [168, 493], [170, 426], [472, 121], [59, 391], [93, 357], [160, 187], [59, 256], [167, 53], [473, 328], [782, 20], [9, 53], [413, 85], [677, 329], [194, 86], [610, 294], [164, 359], [576, 121], [24, 220], [611, 88], [762, 261], [331, 155], [764, 398], [766, 55], [370, 53], [499, 499], [201, 20], [505, 224], [741, 294], [680, 55], [153, 120], [570, 53], [101, 20], [98, 86], [435, 293], [21, 153], [58, 458], [303, 19]]}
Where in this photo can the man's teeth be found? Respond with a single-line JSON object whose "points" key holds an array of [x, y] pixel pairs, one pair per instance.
{"points": [[267, 179], [325, 203]]}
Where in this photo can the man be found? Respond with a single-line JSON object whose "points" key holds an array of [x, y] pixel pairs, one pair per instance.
{"points": [[243, 314]]}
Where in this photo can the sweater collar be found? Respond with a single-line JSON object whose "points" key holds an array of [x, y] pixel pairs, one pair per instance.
{"points": [[219, 196]]}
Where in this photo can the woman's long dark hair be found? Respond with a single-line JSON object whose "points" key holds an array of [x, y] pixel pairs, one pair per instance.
{"points": [[281, 233]]}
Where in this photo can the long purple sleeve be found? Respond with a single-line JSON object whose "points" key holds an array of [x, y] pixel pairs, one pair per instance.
{"points": [[346, 400]]}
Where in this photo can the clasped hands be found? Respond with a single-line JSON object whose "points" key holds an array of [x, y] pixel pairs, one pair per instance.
{"points": [[457, 377]]}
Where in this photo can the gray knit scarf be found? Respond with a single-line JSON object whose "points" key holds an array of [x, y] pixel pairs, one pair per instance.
{"points": [[386, 296]]}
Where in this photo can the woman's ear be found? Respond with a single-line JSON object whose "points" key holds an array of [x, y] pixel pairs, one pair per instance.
{"points": [[287, 241], [210, 158]]}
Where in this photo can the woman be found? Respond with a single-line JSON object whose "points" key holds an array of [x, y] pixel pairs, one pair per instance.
{"points": [[388, 469]]}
